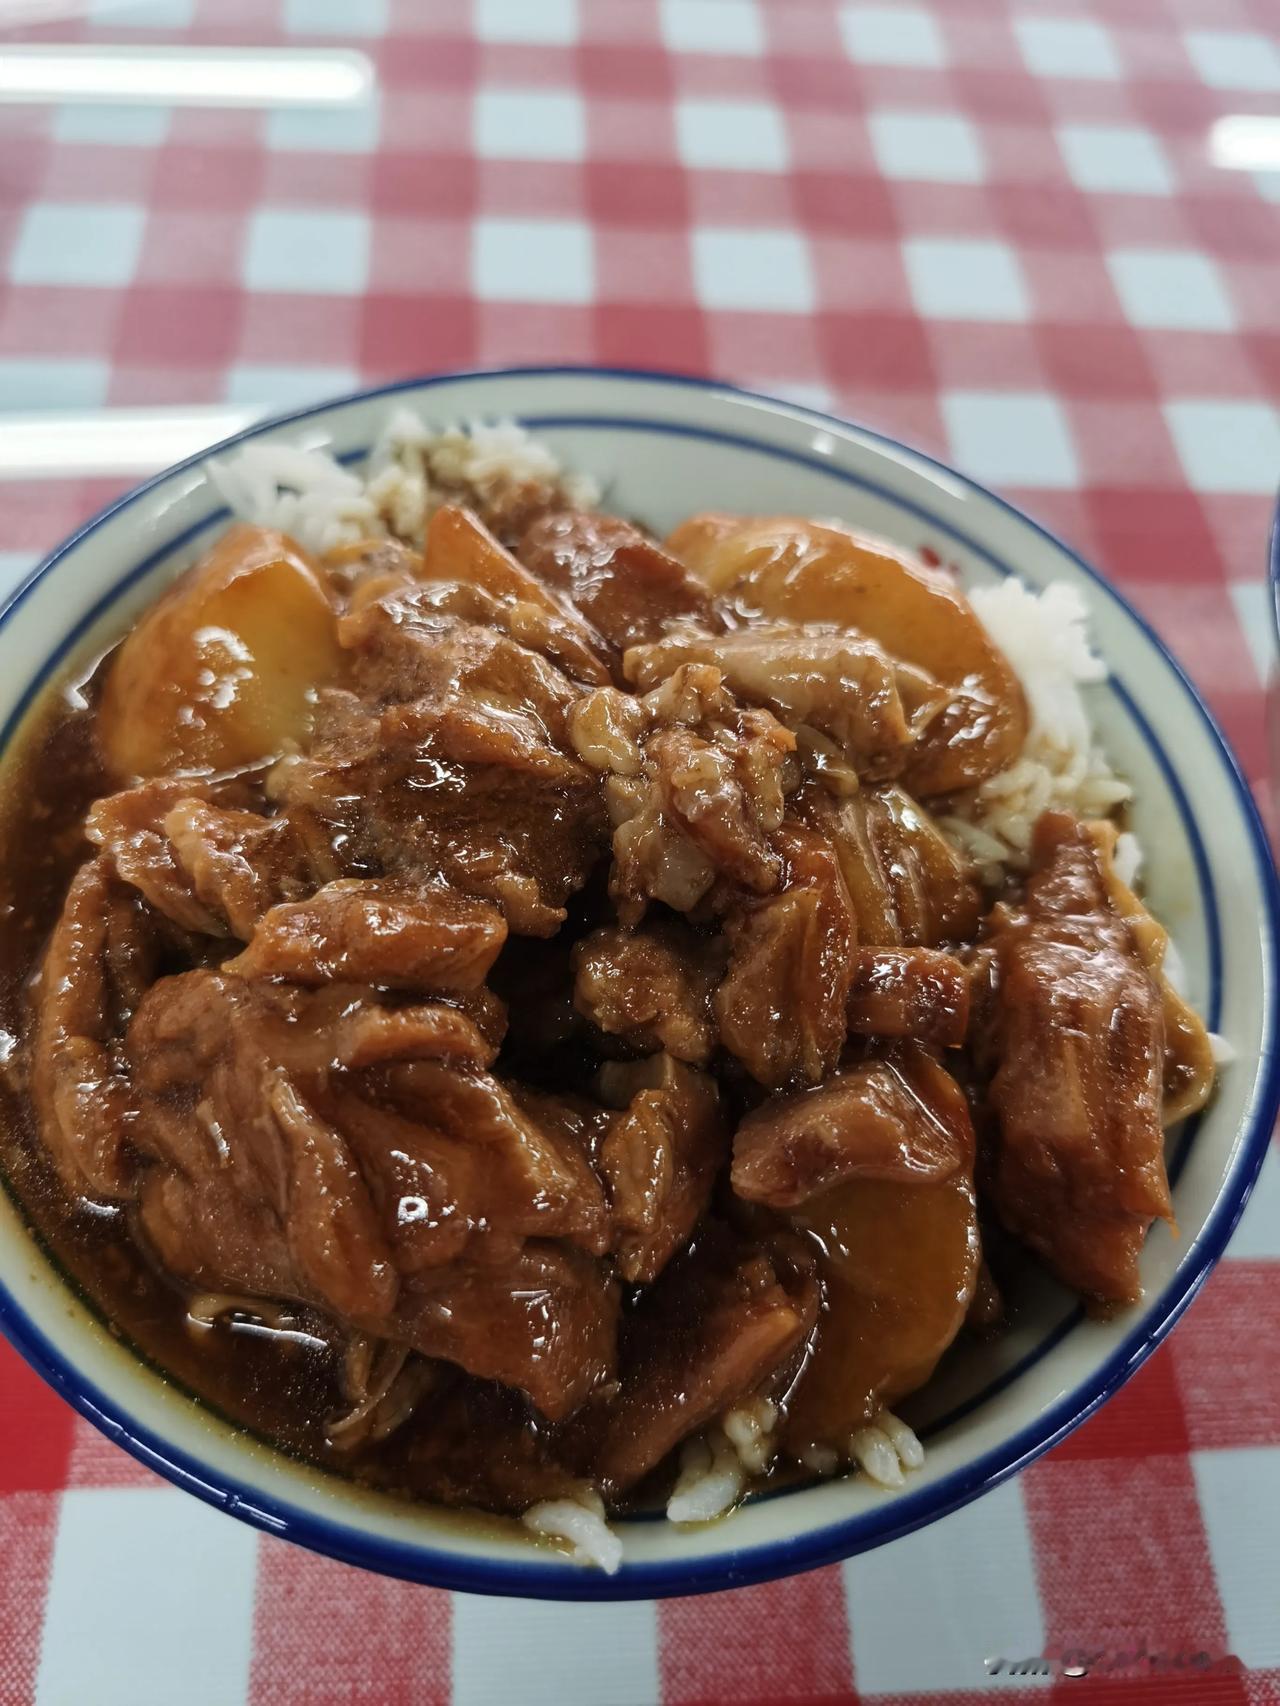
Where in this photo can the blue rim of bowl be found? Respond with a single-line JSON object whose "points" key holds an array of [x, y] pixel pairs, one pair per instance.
{"points": [[897, 1516]]}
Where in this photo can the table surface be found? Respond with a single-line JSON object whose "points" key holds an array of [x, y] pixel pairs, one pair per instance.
{"points": [[1038, 240]]}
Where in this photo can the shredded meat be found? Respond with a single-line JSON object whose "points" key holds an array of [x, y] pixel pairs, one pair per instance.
{"points": [[651, 987], [1189, 1067], [467, 573], [1077, 1046], [695, 788], [786, 569], [538, 1150], [781, 1006], [238, 864], [358, 1157], [129, 828]]}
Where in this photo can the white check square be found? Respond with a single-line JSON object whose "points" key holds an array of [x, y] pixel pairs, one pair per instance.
{"points": [[891, 35], [533, 260], [1234, 59], [766, 270], [1067, 47], [86, 243], [337, 17], [957, 279], [259, 385], [147, 1585], [1011, 438], [1170, 289], [940, 148], [711, 26], [732, 135], [1225, 445], [53, 382], [1117, 159], [554, 22], [311, 252], [530, 124], [1240, 1497], [975, 1570]]}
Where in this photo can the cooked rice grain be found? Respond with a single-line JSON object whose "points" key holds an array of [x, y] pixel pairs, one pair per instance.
{"points": [[580, 1524], [886, 1449]]}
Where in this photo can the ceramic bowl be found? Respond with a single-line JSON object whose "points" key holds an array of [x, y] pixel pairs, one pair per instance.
{"points": [[662, 448]]}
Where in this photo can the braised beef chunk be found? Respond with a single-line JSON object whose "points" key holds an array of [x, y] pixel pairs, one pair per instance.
{"points": [[650, 987], [659, 1158], [781, 1006], [462, 560], [544, 1320], [453, 793], [627, 587], [371, 931], [537, 1150], [365, 1148], [909, 992], [79, 1088], [812, 678], [129, 827], [695, 788], [516, 1018], [721, 1323], [240, 864], [900, 1117], [1076, 1048], [908, 884], [1189, 1066]]}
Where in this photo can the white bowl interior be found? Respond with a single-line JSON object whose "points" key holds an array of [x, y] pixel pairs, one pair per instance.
{"points": [[664, 450]]}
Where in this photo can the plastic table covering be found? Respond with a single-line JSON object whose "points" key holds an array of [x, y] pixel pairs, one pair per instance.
{"points": [[1040, 240]]}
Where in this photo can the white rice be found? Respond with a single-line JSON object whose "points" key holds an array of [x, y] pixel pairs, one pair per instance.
{"points": [[580, 1524], [749, 1430], [1045, 637], [409, 473], [711, 1481], [715, 1466]]}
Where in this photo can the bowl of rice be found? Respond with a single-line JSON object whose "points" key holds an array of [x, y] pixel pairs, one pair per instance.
{"points": [[1115, 731]]}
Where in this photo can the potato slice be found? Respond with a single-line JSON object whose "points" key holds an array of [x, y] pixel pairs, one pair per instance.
{"points": [[901, 1263], [459, 547], [221, 672], [897, 1236], [784, 568]]}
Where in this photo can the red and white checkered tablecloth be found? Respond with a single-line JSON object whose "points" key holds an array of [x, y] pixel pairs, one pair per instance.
{"points": [[1039, 238]]}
